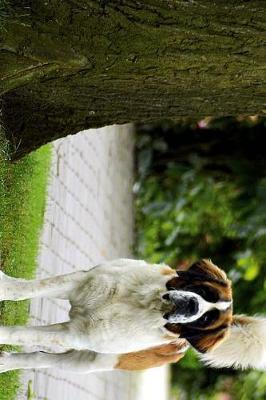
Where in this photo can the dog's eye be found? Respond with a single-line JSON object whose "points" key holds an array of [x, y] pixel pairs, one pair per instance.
{"points": [[206, 293], [207, 318]]}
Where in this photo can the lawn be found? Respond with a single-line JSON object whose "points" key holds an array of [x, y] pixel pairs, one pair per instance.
{"points": [[22, 202]]}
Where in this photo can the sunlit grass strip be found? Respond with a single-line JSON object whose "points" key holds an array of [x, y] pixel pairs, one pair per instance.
{"points": [[22, 202]]}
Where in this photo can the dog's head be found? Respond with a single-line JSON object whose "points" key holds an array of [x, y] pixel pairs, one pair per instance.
{"points": [[201, 305]]}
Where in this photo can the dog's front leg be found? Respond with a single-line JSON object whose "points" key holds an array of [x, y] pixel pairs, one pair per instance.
{"points": [[73, 361], [57, 286], [44, 336]]}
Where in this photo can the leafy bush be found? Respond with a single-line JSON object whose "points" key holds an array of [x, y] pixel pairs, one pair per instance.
{"points": [[202, 193]]}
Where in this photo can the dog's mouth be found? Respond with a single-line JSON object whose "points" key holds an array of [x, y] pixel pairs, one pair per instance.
{"points": [[182, 306]]}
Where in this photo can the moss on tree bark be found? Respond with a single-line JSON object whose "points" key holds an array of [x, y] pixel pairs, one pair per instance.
{"points": [[76, 64]]}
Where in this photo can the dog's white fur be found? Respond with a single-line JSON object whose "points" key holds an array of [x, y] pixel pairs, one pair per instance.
{"points": [[116, 307], [244, 347], [108, 302]]}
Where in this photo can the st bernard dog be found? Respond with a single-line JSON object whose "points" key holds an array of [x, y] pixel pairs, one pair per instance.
{"points": [[130, 315]]}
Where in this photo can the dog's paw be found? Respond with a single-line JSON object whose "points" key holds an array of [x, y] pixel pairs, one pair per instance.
{"points": [[4, 357], [6, 282], [4, 362], [4, 277], [3, 280], [8, 362]]}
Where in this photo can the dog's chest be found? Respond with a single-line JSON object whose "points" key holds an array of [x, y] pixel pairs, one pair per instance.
{"points": [[123, 313]]}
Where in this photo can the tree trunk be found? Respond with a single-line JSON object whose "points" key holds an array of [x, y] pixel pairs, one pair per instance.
{"points": [[70, 65]]}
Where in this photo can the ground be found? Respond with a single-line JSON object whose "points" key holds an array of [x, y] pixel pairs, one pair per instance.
{"points": [[88, 219]]}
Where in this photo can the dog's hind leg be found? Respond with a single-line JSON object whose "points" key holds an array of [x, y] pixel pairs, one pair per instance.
{"points": [[57, 286], [85, 361], [75, 361]]}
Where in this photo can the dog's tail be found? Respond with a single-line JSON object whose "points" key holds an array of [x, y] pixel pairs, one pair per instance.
{"points": [[244, 347]]}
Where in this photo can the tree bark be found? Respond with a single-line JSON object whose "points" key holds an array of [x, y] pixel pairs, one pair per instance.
{"points": [[70, 65]]}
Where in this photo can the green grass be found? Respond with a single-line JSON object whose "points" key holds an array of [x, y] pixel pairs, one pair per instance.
{"points": [[30, 393], [22, 201]]}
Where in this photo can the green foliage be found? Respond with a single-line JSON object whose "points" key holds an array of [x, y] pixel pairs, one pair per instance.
{"points": [[243, 386], [180, 206], [251, 385], [202, 193]]}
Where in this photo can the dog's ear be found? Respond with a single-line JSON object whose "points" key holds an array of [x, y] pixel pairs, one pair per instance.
{"points": [[203, 340], [244, 347], [203, 270], [200, 271]]}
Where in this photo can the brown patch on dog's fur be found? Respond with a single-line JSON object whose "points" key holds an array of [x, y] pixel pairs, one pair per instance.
{"points": [[170, 336], [167, 271], [224, 320], [150, 358], [174, 328], [175, 283], [205, 342], [206, 268], [203, 272], [201, 340], [225, 291], [204, 339], [242, 320]]}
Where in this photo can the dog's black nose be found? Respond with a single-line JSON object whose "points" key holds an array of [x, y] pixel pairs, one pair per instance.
{"points": [[166, 297], [186, 306], [193, 306]]}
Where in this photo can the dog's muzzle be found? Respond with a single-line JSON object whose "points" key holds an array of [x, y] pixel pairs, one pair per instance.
{"points": [[186, 306]]}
